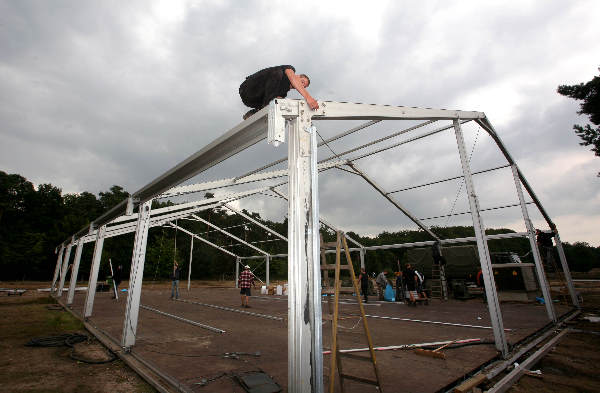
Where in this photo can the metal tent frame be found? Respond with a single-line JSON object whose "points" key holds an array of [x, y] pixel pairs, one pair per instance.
{"points": [[294, 119]]}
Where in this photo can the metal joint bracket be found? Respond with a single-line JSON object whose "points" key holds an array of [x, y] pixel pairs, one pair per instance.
{"points": [[279, 110]]}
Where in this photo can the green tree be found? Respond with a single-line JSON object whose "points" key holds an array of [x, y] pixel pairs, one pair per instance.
{"points": [[589, 93]]}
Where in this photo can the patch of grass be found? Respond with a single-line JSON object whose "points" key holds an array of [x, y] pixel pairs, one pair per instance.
{"points": [[26, 301], [62, 322]]}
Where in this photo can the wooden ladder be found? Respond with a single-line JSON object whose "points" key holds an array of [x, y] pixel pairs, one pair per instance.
{"points": [[436, 282], [336, 355]]}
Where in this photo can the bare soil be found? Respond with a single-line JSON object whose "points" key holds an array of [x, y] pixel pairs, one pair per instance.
{"points": [[196, 357], [43, 369]]}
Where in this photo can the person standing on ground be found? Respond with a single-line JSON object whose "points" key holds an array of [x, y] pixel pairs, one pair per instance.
{"points": [[381, 282], [175, 280], [420, 284], [363, 278], [245, 281], [410, 280], [274, 82], [117, 278], [399, 285]]}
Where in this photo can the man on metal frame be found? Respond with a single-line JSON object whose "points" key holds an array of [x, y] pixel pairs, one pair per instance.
{"points": [[274, 82]]}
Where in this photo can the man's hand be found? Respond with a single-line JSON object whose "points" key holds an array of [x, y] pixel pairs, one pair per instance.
{"points": [[312, 103]]}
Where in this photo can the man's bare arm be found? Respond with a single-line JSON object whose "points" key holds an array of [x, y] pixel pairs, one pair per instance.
{"points": [[297, 84]]}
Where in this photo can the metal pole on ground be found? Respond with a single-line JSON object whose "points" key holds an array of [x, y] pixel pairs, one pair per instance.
{"points": [[482, 246], [190, 265], [539, 267], [305, 347], [63, 272], [74, 272], [57, 268], [566, 270], [94, 269], [135, 276]]}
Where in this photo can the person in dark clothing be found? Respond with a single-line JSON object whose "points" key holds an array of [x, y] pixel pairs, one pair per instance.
{"points": [[544, 241], [399, 287], [410, 280], [363, 278], [175, 280], [274, 82], [481, 284], [117, 278]]}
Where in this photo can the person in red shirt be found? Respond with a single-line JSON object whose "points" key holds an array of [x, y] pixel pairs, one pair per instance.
{"points": [[245, 281]]}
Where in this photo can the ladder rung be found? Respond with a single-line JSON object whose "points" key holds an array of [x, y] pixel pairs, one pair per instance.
{"points": [[329, 245], [359, 379], [354, 357]]}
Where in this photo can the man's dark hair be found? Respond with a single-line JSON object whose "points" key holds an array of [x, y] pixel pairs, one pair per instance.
{"points": [[307, 78]]}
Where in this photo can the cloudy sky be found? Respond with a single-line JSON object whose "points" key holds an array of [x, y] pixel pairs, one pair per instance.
{"points": [[100, 93]]}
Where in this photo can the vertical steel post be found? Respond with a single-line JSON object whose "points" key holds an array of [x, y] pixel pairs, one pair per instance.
{"points": [[136, 276], [94, 269], [305, 346], [57, 269], [566, 270], [237, 271], [539, 267], [267, 262], [63, 273], [190, 266], [74, 272], [482, 246], [362, 257]]}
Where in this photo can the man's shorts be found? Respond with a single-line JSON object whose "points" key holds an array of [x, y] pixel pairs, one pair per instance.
{"points": [[245, 291]]}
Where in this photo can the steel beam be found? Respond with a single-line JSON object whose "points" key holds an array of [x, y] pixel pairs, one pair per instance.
{"points": [[228, 234], [305, 353], [234, 181], [136, 276], [63, 273], [190, 265], [267, 265], [321, 220], [482, 247], [330, 110], [487, 126], [247, 217], [238, 262], [94, 269], [57, 268], [566, 270], [74, 273], [202, 239], [393, 201], [539, 267]]}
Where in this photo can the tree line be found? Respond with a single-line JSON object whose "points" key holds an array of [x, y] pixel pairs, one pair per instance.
{"points": [[34, 220]]}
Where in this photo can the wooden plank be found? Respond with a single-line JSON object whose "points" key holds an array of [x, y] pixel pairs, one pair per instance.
{"points": [[431, 354], [354, 357], [470, 383], [333, 267]]}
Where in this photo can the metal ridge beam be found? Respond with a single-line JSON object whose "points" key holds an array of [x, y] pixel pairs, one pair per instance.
{"points": [[240, 137], [331, 110]]}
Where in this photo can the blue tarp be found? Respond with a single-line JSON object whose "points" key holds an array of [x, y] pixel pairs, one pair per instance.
{"points": [[389, 295]]}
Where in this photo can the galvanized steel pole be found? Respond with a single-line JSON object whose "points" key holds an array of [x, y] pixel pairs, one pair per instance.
{"points": [[57, 268], [94, 269], [539, 267], [482, 247], [63, 273], [74, 272], [305, 347], [566, 271], [135, 276]]}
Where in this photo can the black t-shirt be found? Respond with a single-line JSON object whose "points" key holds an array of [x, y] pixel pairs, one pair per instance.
{"points": [[409, 276], [545, 239], [364, 280], [262, 86], [176, 273]]}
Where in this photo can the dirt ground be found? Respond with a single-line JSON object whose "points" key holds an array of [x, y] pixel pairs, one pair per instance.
{"points": [[43, 369], [196, 357], [574, 364]]}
